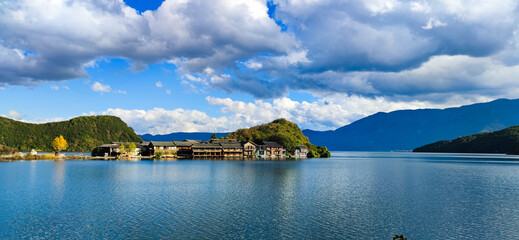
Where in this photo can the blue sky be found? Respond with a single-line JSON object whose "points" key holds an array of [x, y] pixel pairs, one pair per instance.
{"points": [[218, 65]]}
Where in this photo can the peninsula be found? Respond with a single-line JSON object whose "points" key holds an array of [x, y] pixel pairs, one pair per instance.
{"points": [[502, 141]]}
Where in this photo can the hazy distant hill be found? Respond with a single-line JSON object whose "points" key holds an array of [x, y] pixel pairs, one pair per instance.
{"points": [[503, 141], [179, 136], [81, 133], [409, 129]]}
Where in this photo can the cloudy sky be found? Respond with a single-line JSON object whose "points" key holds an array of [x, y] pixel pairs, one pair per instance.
{"points": [[217, 65]]}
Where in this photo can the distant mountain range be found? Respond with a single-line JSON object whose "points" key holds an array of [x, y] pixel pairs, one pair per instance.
{"points": [[409, 129], [502, 141]]}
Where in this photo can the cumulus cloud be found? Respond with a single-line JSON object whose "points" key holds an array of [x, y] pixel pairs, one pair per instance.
{"points": [[162, 121], [99, 87], [158, 84], [373, 48], [328, 112], [59, 42]]}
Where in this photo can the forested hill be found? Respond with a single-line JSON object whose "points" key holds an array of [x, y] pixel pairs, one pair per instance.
{"points": [[281, 131], [81, 133], [503, 141]]}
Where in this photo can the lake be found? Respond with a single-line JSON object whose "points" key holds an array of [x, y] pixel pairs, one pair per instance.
{"points": [[351, 195]]}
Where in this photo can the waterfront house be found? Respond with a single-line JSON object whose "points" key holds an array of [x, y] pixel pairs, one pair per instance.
{"points": [[168, 149], [274, 150], [107, 150], [214, 148], [301, 151], [185, 148], [144, 148], [249, 149], [261, 151], [206, 150], [232, 149]]}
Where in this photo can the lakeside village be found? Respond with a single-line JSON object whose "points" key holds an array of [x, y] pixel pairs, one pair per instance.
{"points": [[194, 149]]}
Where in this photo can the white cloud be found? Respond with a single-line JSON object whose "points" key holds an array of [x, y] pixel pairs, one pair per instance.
{"points": [[168, 91], [68, 36], [253, 64], [432, 23], [325, 113], [161, 121], [375, 48], [158, 84], [421, 7], [99, 87], [14, 115], [54, 87], [380, 6]]}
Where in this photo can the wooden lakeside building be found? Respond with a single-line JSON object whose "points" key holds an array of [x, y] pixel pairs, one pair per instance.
{"points": [[214, 148], [207, 150], [274, 150]]}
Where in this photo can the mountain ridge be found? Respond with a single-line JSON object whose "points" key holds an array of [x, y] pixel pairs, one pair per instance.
{"points": [[409, 129]]}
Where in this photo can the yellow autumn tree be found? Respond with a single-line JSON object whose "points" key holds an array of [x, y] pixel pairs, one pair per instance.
{"points": [[59, 144]]}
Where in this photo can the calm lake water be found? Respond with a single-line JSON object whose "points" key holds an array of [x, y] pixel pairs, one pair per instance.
{"points": [[352, 195]]}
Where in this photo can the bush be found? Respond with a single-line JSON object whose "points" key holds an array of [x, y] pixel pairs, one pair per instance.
{"points": [[319, 152], [158, 155]]}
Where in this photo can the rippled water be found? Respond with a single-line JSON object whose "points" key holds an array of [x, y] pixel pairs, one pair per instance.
{"points": [[352, 195]]}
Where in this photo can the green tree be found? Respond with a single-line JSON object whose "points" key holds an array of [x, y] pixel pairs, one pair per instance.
{"points": [[132, 147], [122, 149], [213, 136], [59, 144], [158, 155]]}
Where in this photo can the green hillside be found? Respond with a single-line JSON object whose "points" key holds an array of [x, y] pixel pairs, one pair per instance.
{"points": [[6, 150], [281, 131], [503, 141], [81, 133]]}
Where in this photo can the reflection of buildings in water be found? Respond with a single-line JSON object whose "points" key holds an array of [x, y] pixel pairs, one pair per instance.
{"points": [[287, 188]]}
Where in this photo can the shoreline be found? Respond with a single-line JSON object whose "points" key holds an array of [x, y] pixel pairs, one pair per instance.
{"points": [[52, 157]]}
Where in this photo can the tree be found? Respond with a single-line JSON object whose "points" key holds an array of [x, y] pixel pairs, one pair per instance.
{"points": [[59, 144], [213, 136], [122, 149], [158, 155], [132, 147]]}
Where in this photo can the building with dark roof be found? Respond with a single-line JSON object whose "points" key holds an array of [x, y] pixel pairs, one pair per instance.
{"points": [[301, 151], [274, 150], [168, 149], [107, 150], [232, 150], [206, 150], [249, 149]]}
